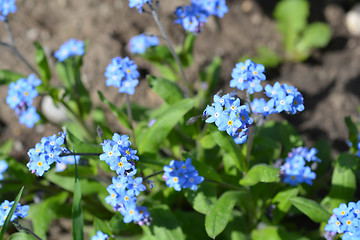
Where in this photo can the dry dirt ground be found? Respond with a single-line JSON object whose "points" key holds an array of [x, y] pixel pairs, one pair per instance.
{"points": [[329, 80]]}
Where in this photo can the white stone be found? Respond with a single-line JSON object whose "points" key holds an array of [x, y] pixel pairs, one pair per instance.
{"points": [[54, 113], [352, 20]]}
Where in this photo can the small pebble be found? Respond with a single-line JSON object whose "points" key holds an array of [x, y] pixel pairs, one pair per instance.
{"points": [[352, 20]]}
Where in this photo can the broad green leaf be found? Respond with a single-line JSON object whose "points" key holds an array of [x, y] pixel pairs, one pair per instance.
{"points": [[156, 134], [291, 17], [217, 218], [121, 116], [202, 199], [77, 212], [44, 212], [80, 146], [164, 225], [42, 63], [316, 35], [283, 203], [275, 233], [12, 210], [207, 141], [311, 209], [261, 173], [230, 147], [21, 236], [167, 90], [88, 186], [7, 76], [343, 182]]}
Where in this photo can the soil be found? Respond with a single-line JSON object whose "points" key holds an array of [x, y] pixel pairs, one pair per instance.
{"points": [[329, 80]]}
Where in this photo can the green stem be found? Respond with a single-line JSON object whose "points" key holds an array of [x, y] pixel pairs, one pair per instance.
{"points": [[79, 120], [227, 185], [153, 175], [171, 48], [79, 154], [19, 227], [129, 113]]}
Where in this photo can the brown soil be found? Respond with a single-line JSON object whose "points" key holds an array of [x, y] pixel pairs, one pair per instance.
{"points": [[329, 80]]}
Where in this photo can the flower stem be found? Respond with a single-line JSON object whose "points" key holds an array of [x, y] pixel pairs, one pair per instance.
{"points": [[153, 175], [170, 46], [251, 133], [12, 47], [19, 227], [129, 113], [79, 154]]}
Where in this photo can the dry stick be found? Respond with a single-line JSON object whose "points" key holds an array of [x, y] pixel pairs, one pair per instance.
{"points": [[171, 48], [12, 47]]}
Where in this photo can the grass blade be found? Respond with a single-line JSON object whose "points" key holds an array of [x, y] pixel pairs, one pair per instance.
{"points": [[8, 217]]}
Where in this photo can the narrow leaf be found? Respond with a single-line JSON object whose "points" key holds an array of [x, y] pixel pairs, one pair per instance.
{"points": [[156, 134], [7, 76], [218, 216], [261, 173], [311, 209], [12, 210], [167, 90], [77, 213], [42, 63]]}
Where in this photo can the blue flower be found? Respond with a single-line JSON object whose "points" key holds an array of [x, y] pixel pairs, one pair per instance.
{"points": [[140, 43], [100, 236], [212, 7], [20, 98], [70, 48], [3, 167], [45, 153], [181, 175], [122, 73], [6, 7], [139, 4], [192, 17], [5, 207]]}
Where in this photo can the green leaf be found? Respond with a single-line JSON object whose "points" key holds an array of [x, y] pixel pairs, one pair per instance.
{"points": [[203, 198], [311, 209], [21, 236], [12, 210], [6, 148], [164, 225], [42, 63], [44, 212], [266, 56], [101, 225], [167, 90], [156, 134], [353, 133], [275, 233], [316, 35], [81, 146], [343, 182], [77, 212], [186, 55], [230, 147], [7, 76], [291, 17], [210, 76], [206, 171], [261, 173], [283, 203], [121, 116], [218, 216]]}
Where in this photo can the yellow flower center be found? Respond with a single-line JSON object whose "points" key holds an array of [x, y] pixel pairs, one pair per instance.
{"points": [[127, 152], [175, 179], [39, 164], [120, 164], [230, 122]]}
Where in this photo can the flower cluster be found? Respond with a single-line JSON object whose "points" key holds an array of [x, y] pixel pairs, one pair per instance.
{"points": [[3, 167], [139, 4], [100, 236], [20, 98], [5, 207], [124, 188], [294, 171], [193, 16], [248, 76], [345, 219], [6, 7], [46, 153], [70, 48], [140, 43], [228, 115], [122, 73], [180, 174]]}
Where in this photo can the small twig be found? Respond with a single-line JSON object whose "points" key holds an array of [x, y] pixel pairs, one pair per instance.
{"points": [[12, 47]]}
